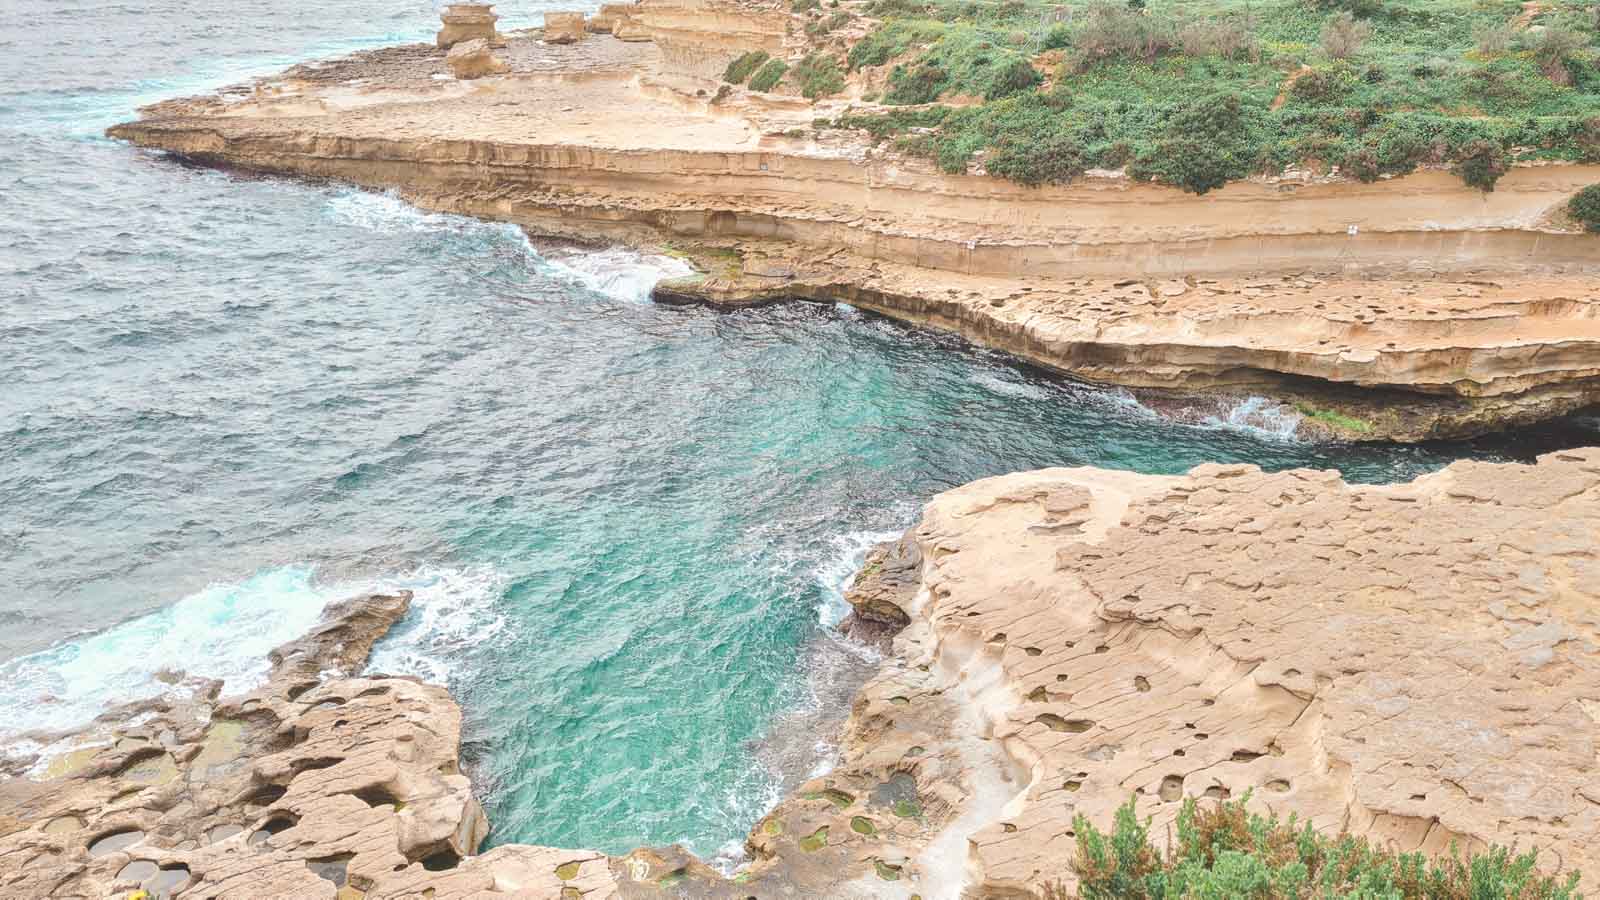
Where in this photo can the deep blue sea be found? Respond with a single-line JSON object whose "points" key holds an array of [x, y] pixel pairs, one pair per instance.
{"points": [[226, 401]]}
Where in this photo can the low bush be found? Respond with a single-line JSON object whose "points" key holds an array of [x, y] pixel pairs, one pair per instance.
{"points": [[1344, 35], [1056, 159], [1552, 48], [1116, 31], [1481, 163], [1013, 77], [1205, 144], [768, 76], [817, 75], [1585, 208], [922, 83], [1226, 851], [741, 68], [891, 40]]}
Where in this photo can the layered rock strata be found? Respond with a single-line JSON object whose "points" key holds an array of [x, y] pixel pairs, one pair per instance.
{"points": [[467, 22], [320, 784], [1473, 311]]}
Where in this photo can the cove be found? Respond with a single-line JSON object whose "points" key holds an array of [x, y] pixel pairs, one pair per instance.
{"points": [[228, 401]]}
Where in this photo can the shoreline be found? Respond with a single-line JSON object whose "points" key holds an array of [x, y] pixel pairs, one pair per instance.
{"points": [[1410, 309], [1030, 681]]}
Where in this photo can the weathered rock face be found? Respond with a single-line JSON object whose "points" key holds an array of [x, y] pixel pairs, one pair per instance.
{"points": [[563, 27], [605, 20], [467, 22], [1412, 309], [1416, 663], [473, 59], [310, 787]]}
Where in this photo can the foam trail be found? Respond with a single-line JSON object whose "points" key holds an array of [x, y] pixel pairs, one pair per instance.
{"points": [[225, 632], [617, 272], [1259, 416]]}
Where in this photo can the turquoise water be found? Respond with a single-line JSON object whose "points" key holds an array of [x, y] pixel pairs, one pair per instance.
{"points": [[227, 401]]}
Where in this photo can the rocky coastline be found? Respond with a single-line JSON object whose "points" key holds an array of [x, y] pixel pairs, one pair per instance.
{"points": [[1413, 308], [1415, 664]]}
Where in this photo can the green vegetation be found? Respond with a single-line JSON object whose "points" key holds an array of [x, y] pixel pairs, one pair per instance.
{"points": [[741, 68], [1336, 420], [768, 76], [817, 75], [1585, 207], [1196, 93], [1224, 851]]}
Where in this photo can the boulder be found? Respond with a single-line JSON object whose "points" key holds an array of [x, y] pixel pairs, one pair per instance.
{"points": [[467, 22], [563, 27], [473, 59]]}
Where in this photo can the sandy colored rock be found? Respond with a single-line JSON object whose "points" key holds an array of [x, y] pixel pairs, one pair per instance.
{"points": [[467, 22], [1414, 663], [563, 27], [605, 20], [474, 59], [1410, 309], [316, 785]]}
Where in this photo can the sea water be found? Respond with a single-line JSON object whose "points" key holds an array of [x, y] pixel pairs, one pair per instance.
{"points": [[227, 401]]}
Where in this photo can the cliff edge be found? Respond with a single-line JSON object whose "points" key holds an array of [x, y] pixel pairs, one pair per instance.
{"points": [[1408, 308], [1416, 664]]}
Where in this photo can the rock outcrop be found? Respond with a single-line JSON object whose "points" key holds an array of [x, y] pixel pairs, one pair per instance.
{"points": [[320, 784], [564, 27], [1409, 309], [473, 59], [1416, 664], [467, 22]]}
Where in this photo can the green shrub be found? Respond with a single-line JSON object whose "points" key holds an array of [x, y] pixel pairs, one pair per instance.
{"points": [[1206, 144], [1552, 49], [920, 84], [1585, 207], [1225, 851], [805, 5], [1112, 31], [818, 75], [1324, 84], [1011, 78], [768, 76], [1481, 163], [740, 69], [1056, 159]]}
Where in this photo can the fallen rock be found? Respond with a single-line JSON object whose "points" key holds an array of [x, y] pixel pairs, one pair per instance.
{"points": [[563, 27], [473, 59]]}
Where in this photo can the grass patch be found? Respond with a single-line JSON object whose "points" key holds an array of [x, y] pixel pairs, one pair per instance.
{"points": [[1188, 91], [817, 75], [1225, 851]]}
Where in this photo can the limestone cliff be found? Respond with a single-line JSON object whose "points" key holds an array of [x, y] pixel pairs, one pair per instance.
{"points": [[1465, 311]]}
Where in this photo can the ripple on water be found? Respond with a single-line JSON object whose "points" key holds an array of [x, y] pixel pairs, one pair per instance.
{"points": [[226, 402]]}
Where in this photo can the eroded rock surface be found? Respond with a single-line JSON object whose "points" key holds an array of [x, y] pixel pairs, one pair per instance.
{"points": [[317, 785], [1469, 311], [1414, 663]]}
